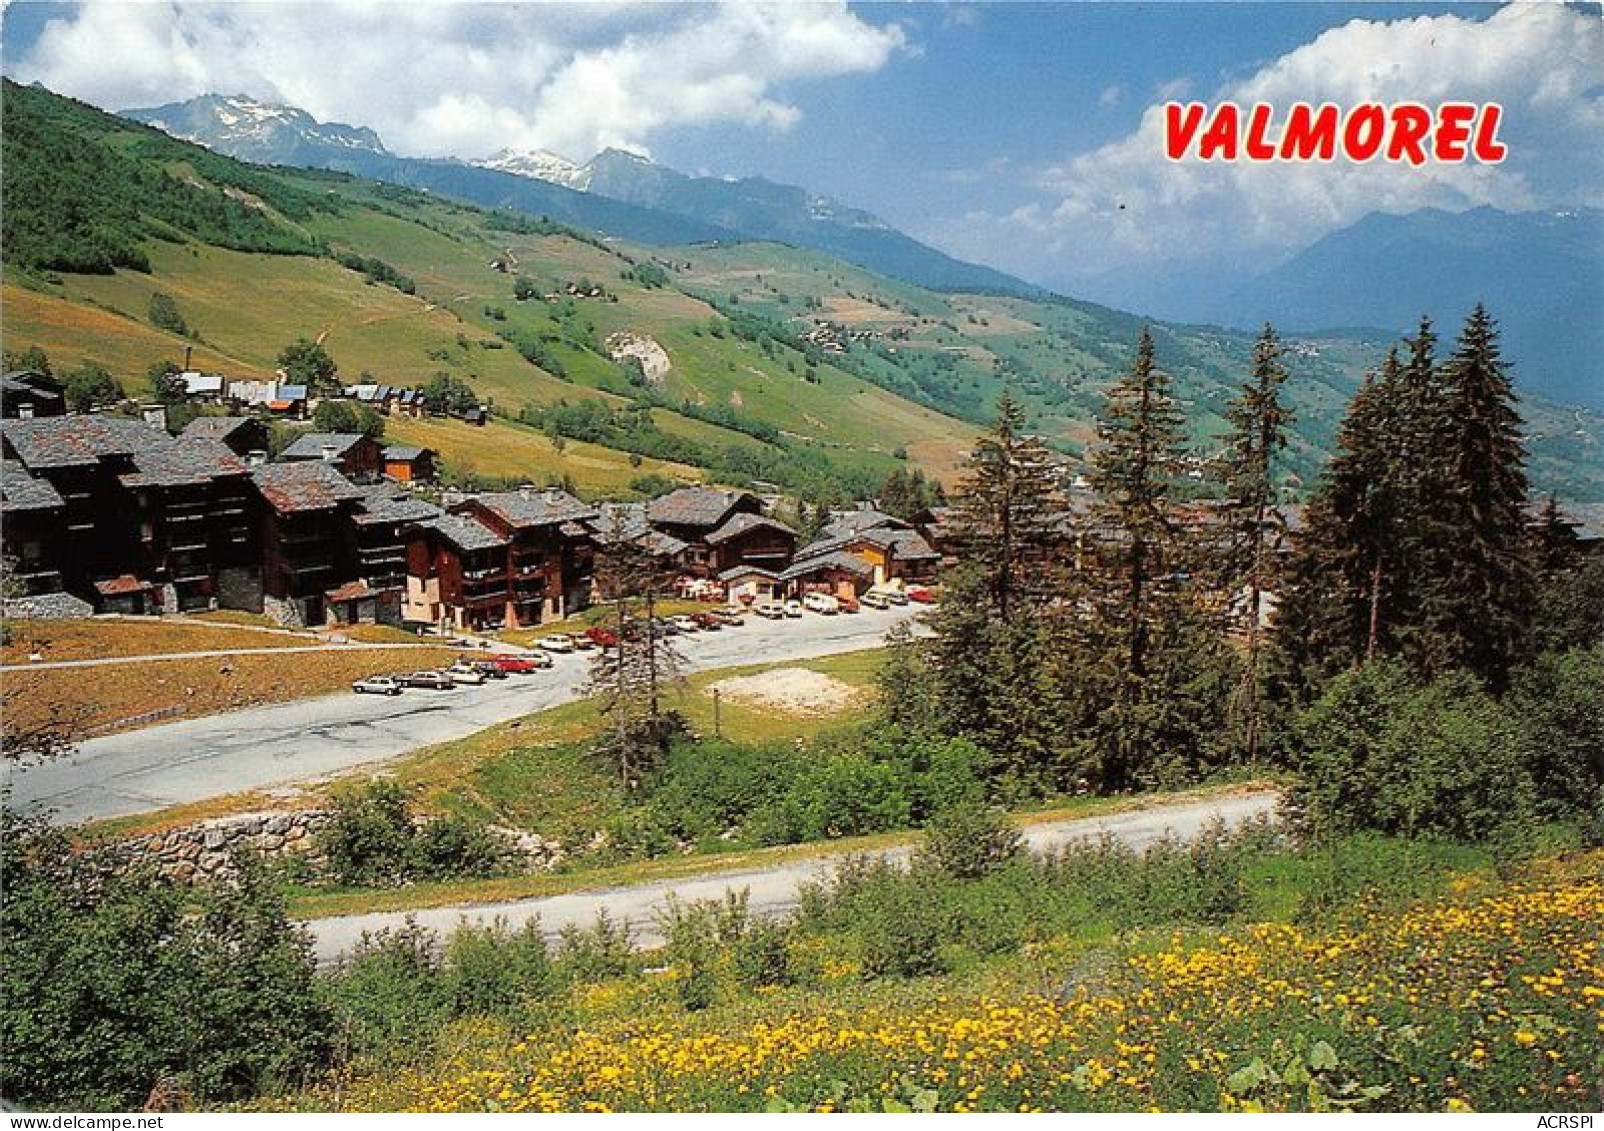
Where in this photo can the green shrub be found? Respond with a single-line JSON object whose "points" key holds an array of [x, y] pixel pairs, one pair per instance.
{"points": [[110, 985], [389, 995], [373, 839], [1379, 751], [966, 842], [604, 951], [494, 971]]}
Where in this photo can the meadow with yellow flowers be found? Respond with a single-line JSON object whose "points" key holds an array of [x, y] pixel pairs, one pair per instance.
{"points": [[1486, 995]]}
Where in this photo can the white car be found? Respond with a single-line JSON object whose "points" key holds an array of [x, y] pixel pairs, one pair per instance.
{"points": [[895, 596], [685, 623], [558, 642], [770, 610], [377, 685], [462, 673], [874, 600], [821, 603], [793, 608]]}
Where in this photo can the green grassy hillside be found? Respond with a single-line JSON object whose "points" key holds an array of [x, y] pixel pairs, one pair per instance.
{"points": [[401, 285]]}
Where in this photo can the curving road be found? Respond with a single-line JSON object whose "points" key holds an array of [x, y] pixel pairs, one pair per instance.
{"points": [[773, 890], [266, 747]]}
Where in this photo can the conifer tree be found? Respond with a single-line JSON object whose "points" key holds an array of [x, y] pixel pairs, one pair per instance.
{"points": [[1133, 470], [1007, 518], [990, 631], [630, 676], [1340, 602], [1478, 577], [1259, 423]]}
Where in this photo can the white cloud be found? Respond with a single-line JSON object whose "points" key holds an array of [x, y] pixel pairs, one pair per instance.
{"points": [[1124, 203], [438, 78], [1110, 96]]}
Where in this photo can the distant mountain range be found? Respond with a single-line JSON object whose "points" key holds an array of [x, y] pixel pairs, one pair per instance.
{"points": [[1540, 273], [616, 192]]}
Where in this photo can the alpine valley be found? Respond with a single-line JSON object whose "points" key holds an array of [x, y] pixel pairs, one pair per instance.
{"points": [[623, 320]]}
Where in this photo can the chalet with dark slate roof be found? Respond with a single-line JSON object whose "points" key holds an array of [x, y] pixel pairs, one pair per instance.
{"points": [[27, 393], [309, 538], [360, 457], [243, 435], [176, 516], [550, 558], [692, 514]]}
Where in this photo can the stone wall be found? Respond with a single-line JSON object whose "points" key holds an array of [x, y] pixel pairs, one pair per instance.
{"points": [[198, 852], [204, 851]]}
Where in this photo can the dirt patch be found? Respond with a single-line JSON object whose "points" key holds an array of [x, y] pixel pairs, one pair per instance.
{"points": [[796, 691]]}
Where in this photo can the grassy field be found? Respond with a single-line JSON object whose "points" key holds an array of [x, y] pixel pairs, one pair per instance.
{"points": [[101, 638], [102, 700], [503, 450]]}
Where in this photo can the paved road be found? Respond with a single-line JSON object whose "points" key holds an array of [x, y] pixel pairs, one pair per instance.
{"points": [[264, 747], [773, 890]]}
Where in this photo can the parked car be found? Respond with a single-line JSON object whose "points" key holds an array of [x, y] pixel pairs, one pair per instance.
{"points": [[921, 596], [603, 637], [707, 622], [665, 626], [583, 643], [895, 596], [793, 608], [770, 610], [377, 685], [434, 681], [557, 642], [875, 600], [849, 604], [522, 665], [821, 603], [465, 674], [489, 669], [729, 618], [684, 623]]}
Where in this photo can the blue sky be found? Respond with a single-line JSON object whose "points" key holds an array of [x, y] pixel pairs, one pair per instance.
{"points": [[1021, 135]]}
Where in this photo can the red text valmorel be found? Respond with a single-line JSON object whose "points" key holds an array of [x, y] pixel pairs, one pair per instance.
{"points": [[1405, 132]]}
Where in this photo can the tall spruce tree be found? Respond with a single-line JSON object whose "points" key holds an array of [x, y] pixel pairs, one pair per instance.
{"points": [[1007, 520], [1343, 585], [1133, 471], [1478, 578], [990, 632], [1253, 523]]}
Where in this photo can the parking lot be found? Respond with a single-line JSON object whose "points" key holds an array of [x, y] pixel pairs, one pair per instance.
{"points": [[266, 747]]}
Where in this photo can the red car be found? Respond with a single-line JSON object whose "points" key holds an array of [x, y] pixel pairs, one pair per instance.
{"points": [[849, 604], [922, 596], [602, 637], [707, 622], [521, 665]]}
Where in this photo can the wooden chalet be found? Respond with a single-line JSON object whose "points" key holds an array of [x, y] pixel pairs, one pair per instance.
{"points": [[407, 464], [358, 456], [245, 436], [147, 522], [27, 393]]}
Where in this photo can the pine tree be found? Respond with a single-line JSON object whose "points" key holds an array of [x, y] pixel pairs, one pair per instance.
{"points": [[630, 676], [1478, 578], [987, 654], [1133, 471], [1259, 423], [1342, 591], [1007, 521]]}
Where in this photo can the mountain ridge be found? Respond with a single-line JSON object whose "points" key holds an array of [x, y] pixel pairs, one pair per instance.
{"points": [[673, 207]]}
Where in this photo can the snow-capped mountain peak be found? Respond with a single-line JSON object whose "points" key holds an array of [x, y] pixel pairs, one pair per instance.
{"points": [[248, 128], [541, 164]]}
